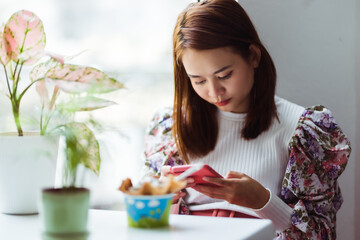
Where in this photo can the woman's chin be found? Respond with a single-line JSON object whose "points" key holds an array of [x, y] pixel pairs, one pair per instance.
{"points": [[224, 108]]}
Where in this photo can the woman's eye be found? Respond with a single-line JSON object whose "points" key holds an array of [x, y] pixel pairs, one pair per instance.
{"points": [[226, 76], [200, 82]]}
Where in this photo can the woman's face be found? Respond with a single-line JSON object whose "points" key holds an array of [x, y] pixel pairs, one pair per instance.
{"points": [[222, 77]]}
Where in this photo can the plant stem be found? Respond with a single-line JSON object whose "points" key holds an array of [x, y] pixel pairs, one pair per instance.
{"points": [[14, 78], [47, 119], [16, 108], [18, 78], [7, 82], [44, 121], [15, 102], [27, 88], [42, 131]]}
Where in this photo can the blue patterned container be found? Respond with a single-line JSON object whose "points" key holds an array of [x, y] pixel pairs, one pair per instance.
{"points": [[149, 211]]}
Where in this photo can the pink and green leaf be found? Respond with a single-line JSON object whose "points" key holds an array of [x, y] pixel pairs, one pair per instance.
{"points": [[4, 58], [84, 104], [77, 79], [24, 37], [40, 70], [82, 147]]}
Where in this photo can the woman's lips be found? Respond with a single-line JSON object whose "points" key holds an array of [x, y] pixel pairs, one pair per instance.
{"points": [[223, 103]]}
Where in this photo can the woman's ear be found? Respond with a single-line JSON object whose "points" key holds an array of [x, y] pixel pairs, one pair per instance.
{"points": [[255, 55]]}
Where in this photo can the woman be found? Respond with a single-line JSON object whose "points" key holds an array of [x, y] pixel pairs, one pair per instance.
{"points": [[280, 161]]}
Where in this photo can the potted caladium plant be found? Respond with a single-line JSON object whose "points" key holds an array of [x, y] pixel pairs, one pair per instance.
{"points": [[32, 159]]}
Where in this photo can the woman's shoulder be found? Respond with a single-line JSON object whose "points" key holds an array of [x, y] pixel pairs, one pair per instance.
{"points": [[317, 123], [308, 122], [319, 116], [314, 123], [289, 112]]}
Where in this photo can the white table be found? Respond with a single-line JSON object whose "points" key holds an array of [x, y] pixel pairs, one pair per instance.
{"points": [[108, 225]]}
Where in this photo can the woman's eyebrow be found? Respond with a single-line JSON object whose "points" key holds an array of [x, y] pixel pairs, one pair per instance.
{"points": [[193, 76], [222, 69], [218, 71]]}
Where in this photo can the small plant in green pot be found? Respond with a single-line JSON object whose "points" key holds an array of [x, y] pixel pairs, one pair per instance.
{"points": [[64, 211]]}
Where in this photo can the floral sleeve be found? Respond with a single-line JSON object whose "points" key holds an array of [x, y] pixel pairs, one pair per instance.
{"points": [[160, 148], [319, 152]]}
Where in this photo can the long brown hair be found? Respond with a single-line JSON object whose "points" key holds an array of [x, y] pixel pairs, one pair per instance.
{"points": [[209, 25]]}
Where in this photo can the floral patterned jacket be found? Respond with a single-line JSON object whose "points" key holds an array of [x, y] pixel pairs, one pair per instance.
{"points": [[318, 154]]}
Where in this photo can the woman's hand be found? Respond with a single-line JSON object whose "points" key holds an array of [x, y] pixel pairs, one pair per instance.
{"points": [[236, 188], [165, 170]]}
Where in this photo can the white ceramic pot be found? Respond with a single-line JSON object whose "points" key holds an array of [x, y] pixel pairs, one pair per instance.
{"points": [[27, 165]]}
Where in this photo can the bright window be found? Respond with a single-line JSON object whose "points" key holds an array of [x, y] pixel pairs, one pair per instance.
{"points": [[131, 41]]}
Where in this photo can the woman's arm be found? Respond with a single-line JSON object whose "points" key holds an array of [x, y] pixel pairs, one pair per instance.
{"points": [[161, 153], [319, 152], [310, 194]]}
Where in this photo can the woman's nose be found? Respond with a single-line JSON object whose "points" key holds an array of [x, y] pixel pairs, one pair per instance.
{"points": [[215, 89]]}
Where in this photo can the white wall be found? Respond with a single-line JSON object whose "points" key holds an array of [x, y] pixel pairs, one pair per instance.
{"points": [[313, 43]]}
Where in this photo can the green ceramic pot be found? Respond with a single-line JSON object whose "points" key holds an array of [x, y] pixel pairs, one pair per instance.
{"points": [[64, 213]]}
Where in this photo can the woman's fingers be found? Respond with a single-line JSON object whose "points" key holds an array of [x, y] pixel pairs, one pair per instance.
{"points": [[211, 191], [221, 182], [232, 174], [224, 181]]}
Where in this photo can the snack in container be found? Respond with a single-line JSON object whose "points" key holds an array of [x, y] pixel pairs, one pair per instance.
{"points": [[148, 204]]}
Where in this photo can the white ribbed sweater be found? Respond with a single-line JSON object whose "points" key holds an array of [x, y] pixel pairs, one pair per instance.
{"points": [[263, 159]]}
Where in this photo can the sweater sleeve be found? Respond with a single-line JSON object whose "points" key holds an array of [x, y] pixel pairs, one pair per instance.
{"points": [[319, 152]]}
